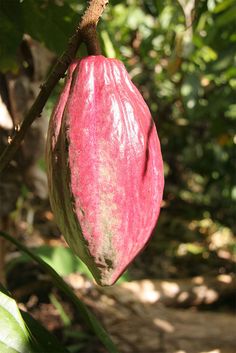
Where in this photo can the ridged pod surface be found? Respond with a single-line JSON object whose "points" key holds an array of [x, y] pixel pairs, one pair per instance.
{"points": [[104, 165]]}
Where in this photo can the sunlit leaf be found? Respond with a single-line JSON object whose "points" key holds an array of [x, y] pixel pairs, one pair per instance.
{"points": [[108, 45], [53, 257], [223, 5], [14, 336]]}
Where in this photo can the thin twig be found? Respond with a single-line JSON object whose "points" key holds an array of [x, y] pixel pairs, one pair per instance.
{"points": [[89, 20]]}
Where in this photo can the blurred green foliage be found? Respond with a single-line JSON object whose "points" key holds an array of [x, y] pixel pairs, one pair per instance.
{"points": [[182, 56]]}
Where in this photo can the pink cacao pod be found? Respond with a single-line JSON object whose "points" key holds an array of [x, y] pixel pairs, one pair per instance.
{"points": [[105, 168]]}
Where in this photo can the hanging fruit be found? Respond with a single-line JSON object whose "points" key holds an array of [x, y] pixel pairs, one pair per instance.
{"points": [[105, 168]]}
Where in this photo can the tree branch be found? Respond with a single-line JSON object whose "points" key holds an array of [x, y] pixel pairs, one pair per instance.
{"points": [[86, 31]]}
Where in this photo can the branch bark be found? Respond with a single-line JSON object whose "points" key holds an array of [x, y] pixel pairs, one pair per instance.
{"points": [[88, 26], [85, 32]]}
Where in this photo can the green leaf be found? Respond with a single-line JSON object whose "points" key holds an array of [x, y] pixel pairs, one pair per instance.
{"points": [[108, 45], [231, 112], [226, 17], [14, 336], [11, 33], [83, 311], [43, 341], [208, 54], [45, 21], [49, 23], [53, 256], [223, 5], [135, 18], [63, 315], [39, 339]]}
